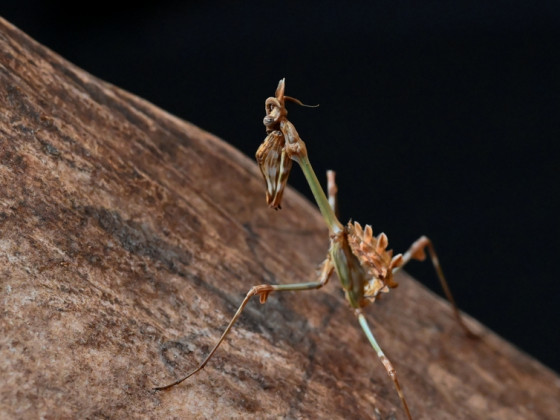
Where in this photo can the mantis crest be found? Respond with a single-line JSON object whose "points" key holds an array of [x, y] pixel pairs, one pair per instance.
{"points": [[362, 262]]}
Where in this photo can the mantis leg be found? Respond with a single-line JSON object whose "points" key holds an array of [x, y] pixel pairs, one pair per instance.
{"points": [[417, 252], [386, 362], [263, 291], [332, 190]]}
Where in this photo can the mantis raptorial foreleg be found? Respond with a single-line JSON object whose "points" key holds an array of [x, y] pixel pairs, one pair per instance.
{"points": [[262, 291], [417, 252]]}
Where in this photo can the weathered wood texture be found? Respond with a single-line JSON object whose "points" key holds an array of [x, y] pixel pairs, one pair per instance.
{"points": [[127, 239]]}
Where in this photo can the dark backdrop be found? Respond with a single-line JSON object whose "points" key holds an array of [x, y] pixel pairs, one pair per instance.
{"points": [[440, 118]]}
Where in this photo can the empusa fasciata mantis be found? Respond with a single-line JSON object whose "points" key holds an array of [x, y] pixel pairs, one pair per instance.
{"points": [[362, 262]]}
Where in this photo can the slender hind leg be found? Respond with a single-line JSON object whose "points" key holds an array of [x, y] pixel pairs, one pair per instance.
{"points": [[386, 362], [263, 291], [417, 252]]}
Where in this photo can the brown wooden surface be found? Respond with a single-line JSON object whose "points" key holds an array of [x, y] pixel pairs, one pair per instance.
{"points": [[128, 238]]}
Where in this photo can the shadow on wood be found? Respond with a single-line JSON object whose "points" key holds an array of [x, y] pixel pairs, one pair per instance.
{"points": [[129, 237]]}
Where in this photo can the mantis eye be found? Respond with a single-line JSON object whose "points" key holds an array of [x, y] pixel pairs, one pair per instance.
{"points": [[274, 111]]}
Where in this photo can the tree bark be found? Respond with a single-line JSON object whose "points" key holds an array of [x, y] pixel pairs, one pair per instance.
{"points": [[129, 237]]}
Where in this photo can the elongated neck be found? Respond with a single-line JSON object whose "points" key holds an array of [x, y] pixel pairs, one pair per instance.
{"points": [[328, 214]]}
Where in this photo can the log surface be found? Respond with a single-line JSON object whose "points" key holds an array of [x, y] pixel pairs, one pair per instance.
{"points": [[129, 237]]}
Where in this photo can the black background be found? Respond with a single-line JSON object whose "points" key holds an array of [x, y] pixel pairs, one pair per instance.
{"points": [[440, 118]]}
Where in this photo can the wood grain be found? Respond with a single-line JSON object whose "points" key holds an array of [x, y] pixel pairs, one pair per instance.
{"points": [[128, 238]]}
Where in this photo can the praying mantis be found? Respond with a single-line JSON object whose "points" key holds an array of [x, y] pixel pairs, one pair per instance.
{"points": [[361, 260]]}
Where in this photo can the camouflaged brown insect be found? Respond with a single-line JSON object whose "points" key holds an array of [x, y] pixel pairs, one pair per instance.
{"points": [[361, 260]]}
